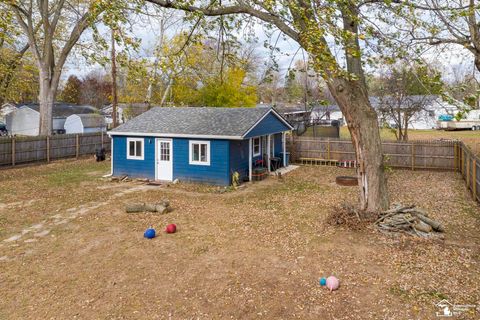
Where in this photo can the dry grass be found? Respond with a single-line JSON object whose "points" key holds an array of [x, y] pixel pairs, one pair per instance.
{"points": [[253, 253]]}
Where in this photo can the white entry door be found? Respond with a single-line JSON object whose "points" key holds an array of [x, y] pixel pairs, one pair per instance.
{"points": [[164, 159]]}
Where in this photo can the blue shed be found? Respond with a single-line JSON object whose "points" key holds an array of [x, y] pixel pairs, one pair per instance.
{"points": [[199, 144]]}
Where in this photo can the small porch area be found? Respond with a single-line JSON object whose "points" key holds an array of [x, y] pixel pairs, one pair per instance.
{"points": [[267, 154]]}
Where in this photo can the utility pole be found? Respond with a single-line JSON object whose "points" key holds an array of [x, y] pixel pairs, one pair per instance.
{"points": [[114, 82]]}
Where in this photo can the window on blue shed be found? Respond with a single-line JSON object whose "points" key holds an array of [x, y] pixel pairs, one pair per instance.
{"points": [[165, 151], [256, 146], [135, 148], [200, 152]]}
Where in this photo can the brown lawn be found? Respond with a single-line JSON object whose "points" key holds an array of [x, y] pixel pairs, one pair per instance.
{"points": [[72, 251]]}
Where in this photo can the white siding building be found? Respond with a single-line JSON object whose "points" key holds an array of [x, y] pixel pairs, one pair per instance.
{"points": [[25, 120], [85, 123]]}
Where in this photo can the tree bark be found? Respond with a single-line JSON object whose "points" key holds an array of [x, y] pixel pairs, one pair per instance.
{"points": [[352, 98], [46, 99]]}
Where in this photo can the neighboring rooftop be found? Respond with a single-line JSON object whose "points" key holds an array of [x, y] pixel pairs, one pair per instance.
{"points": [[92, 120], [195, 121], [61, 110]]}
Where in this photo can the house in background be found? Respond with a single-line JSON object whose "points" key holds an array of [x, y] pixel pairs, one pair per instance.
{"points": [[294, 114], [432, 108], [325, 114], [429, 109], [125, 112], [5, 109], [25, 119], [199, 144], [85, 123]]}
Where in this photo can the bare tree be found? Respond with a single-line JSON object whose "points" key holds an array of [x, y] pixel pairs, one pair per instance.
{"points": [[398, 110], [8, 43], [61, 22], [404, 94], [441, 23]]}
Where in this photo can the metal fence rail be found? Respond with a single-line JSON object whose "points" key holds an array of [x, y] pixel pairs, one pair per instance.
{"points": [[18, 150]]}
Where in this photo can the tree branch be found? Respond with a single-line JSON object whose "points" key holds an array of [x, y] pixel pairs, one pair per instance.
{"points": [[241, 8]]}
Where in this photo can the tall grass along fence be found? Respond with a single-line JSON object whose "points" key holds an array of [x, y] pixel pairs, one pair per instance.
{"points": [[19, 150], [450, 155]]}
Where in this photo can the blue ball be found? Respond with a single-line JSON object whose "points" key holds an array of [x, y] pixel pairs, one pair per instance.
{"points": [[323, 281], [149, 233]]}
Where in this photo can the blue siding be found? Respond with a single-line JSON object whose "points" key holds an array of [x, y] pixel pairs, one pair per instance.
{"points": [[133, 168], [239, 157], [218, 172], [269, 125], [277, 140], [226, 156]]}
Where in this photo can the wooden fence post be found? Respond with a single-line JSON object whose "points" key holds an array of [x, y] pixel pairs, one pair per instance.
{"points": [[13, 151], [454, 156], [467, 175], [328, 149], [413, 156], [48, 149], [77, 146], [461, 161], [474, 179]]}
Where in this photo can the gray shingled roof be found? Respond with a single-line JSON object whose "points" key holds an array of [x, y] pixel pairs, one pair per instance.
{"points": [[194, 121], [61, 110], [92, 120]]}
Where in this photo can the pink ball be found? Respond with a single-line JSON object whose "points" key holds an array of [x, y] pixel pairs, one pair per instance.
{"points": [[332, 283]]}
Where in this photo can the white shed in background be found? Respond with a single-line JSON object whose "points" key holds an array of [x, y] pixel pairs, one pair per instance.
{"points": [[85, 123]]}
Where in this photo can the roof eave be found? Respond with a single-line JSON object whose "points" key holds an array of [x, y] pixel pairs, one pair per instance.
{"points": [[173, 135]]}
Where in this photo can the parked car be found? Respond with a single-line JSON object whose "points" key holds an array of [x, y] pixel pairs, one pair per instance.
{"points": [[3, 129]]}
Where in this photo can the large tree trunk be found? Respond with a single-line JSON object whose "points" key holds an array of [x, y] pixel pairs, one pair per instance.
{"points": [[477, 61], [46, 98], [362, 123]]}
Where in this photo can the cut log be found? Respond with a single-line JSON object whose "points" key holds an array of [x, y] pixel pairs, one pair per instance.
{"points": [[135, 207], [435, 225], [165, 203], [408, 219], [422, 226], [161, 209], [150, 207]]}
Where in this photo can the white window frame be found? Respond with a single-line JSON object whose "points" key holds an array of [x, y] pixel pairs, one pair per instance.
{"points": [[130, 157], [190, 152], [256, 154]]}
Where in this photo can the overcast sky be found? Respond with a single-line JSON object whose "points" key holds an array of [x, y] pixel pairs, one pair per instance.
{"points": [[451, 60]]}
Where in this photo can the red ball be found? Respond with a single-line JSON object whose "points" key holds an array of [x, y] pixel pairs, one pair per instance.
{"points": [[171, 228]]}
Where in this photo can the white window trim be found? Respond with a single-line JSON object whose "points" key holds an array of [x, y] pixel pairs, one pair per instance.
{"points": [[190, 153], [142, 157], [259, 146]]}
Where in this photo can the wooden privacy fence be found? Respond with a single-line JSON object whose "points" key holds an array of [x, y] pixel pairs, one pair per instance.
{"points": [[469, 166], [17, 150], [451, 155]]}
